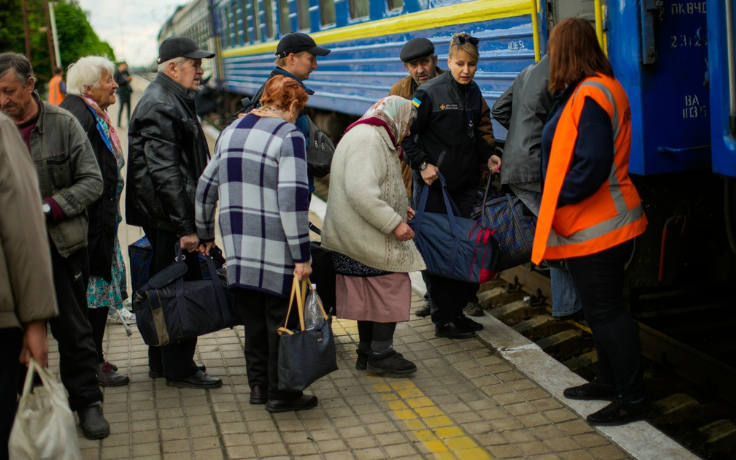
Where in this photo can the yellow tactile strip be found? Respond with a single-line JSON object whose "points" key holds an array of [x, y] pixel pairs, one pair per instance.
{"points": [[428, 422]]}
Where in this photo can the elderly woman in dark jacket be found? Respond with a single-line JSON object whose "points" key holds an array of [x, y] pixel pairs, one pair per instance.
{"points": [[91, 90]]}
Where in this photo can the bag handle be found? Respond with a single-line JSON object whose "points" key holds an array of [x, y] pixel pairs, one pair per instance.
{"points": [[43, 374], [450, 207], [297, 287], [299, 291]]}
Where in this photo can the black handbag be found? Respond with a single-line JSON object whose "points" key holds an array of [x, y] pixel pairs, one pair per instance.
{"points": [[452, 246], [169, 309], [305, 355]]}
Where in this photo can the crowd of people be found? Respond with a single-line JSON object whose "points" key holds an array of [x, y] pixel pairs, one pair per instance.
{"points": [[566, 157]]}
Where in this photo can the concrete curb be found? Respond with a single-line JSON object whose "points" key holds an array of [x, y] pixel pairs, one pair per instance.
{"points": [[640, 440]]}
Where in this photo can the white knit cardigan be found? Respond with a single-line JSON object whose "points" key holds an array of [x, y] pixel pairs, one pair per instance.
{"points": [[367, 201]]}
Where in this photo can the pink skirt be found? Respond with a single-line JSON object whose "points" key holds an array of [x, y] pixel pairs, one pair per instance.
{"points": [[383, 299]]}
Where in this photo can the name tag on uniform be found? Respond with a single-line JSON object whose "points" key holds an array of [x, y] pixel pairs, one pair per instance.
{"points": [[448, 107]]}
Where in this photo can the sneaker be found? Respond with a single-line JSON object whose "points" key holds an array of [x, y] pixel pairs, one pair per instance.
{"points": [[473, 309], [114, 318], [107, 376], [577, 316], [620, 412]]}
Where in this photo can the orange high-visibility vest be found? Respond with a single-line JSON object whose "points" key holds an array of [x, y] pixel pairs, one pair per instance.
{"points": [[55, 94], [614, 213]]}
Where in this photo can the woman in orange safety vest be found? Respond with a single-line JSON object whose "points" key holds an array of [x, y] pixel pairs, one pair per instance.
{"points": [[57, 88], [591, 212]]}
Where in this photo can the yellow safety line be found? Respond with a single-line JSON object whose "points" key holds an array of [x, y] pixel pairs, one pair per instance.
{"points": [[428, 422], [476, 11]]}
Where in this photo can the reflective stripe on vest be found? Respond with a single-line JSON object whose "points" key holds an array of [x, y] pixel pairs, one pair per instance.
{"points": [[55, 95], [604, 225]]}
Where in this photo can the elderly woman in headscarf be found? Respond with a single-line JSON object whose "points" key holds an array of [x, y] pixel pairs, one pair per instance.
{"points": [[91, 90], [366, 227]]}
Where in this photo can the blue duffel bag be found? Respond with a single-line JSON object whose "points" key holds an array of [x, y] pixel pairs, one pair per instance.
{"points": [[453, 246]]}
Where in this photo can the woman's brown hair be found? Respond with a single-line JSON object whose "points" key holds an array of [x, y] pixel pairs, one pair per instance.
{"points": [[574, 53], [281, 91]]}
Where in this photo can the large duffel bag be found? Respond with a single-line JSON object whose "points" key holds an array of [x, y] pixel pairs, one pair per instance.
{"points": [[453, 246], [169, 309]]}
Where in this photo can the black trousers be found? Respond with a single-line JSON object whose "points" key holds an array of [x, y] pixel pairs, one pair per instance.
{"points": [[599, 282], [98, 321], [124, 100], [175, 360], [449, 296], [262, 315], [11, 342], [71, 329]]}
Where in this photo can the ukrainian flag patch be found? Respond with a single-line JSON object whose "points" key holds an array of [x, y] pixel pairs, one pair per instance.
{"points": [[416, 102]]}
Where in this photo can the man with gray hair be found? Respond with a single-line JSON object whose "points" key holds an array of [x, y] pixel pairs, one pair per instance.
{"points": [[167, 153], [70, 182]]}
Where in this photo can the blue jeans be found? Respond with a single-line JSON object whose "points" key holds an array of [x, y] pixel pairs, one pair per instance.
{"points": [[599, 280], [565, 299]]}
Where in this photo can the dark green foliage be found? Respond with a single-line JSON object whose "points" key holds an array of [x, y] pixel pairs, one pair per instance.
{"points": [[76, 37]]}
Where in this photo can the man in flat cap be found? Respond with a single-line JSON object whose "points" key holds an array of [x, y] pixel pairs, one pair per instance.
{"points": [[421, 62], [167, 154]]}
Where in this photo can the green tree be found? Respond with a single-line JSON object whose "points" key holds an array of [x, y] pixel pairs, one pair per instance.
{"points": [[76, 36]]}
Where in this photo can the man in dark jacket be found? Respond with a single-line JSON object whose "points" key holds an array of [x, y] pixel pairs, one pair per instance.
{"points": [[523, 109], [122, 78], [167, 154], [70, 183]]}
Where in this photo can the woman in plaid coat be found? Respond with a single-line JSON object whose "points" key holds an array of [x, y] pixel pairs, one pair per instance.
{"points": [[259, 172]]}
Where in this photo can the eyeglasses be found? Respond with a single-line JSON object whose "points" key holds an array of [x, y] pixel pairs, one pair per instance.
{"points": [[462, 39]]}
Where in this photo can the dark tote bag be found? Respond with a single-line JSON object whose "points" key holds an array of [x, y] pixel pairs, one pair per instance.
{"points": [[504, 214], [169, 309], [452, 246], [305, 355]]}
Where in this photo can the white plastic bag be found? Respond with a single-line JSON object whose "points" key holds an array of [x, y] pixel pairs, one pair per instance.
{"points": [[312, 312], [44, 426]]}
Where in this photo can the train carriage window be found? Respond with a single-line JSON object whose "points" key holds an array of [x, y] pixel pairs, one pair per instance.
{"points": [[256, 22], [327, 12], [284, 17], [395, 4], [241, 25], [268, 9], [225, 28], [359, 9], [302, 11]]}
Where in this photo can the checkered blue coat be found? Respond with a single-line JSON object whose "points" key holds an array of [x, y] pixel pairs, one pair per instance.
{"points": [[259, 172]]}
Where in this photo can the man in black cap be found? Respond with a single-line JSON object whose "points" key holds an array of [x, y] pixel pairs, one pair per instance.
{"points": [[167, 154], [421, 62]]}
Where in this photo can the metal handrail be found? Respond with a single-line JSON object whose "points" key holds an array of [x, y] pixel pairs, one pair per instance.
{"points": [[599, 24], [535, 31]]}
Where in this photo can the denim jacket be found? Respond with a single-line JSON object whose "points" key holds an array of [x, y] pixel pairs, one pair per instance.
{"points": [[67, 172]]}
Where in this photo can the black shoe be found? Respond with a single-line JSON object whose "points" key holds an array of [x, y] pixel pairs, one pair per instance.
{"points": [[362, 362], [258, 395], [390, 362], [303, 402], [108, 377], [468, 323], [620, 412], [197, 380], [591, 391], [453, 330], [422, 311], [92, 422], [156, 374]]}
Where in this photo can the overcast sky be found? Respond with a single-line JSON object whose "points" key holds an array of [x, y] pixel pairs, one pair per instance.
{"points": [[130, 26]]}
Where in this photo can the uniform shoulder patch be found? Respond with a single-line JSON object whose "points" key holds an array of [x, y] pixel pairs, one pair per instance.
{"points": [[416, 102]]}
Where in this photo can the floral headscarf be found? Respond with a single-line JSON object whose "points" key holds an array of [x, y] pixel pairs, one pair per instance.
{"points": [[393, 113]]}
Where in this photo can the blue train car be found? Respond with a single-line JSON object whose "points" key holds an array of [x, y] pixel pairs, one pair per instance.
{"points": [[365, 38]]}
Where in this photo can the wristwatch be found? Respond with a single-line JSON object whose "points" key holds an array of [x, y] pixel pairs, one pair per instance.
{"points": [[46, 208], [423, 166]]}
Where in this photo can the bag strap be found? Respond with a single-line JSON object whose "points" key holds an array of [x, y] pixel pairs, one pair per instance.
{"points": [[297, 288], [450, 206], [485, 201], [219, 290]]}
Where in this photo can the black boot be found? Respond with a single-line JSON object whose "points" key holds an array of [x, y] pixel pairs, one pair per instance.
{"points": [[92, 422], [620, 412], [389, 362], [362, 361]]}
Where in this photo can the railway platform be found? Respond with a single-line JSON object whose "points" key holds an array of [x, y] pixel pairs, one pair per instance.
{"points": [[497, 396]]}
